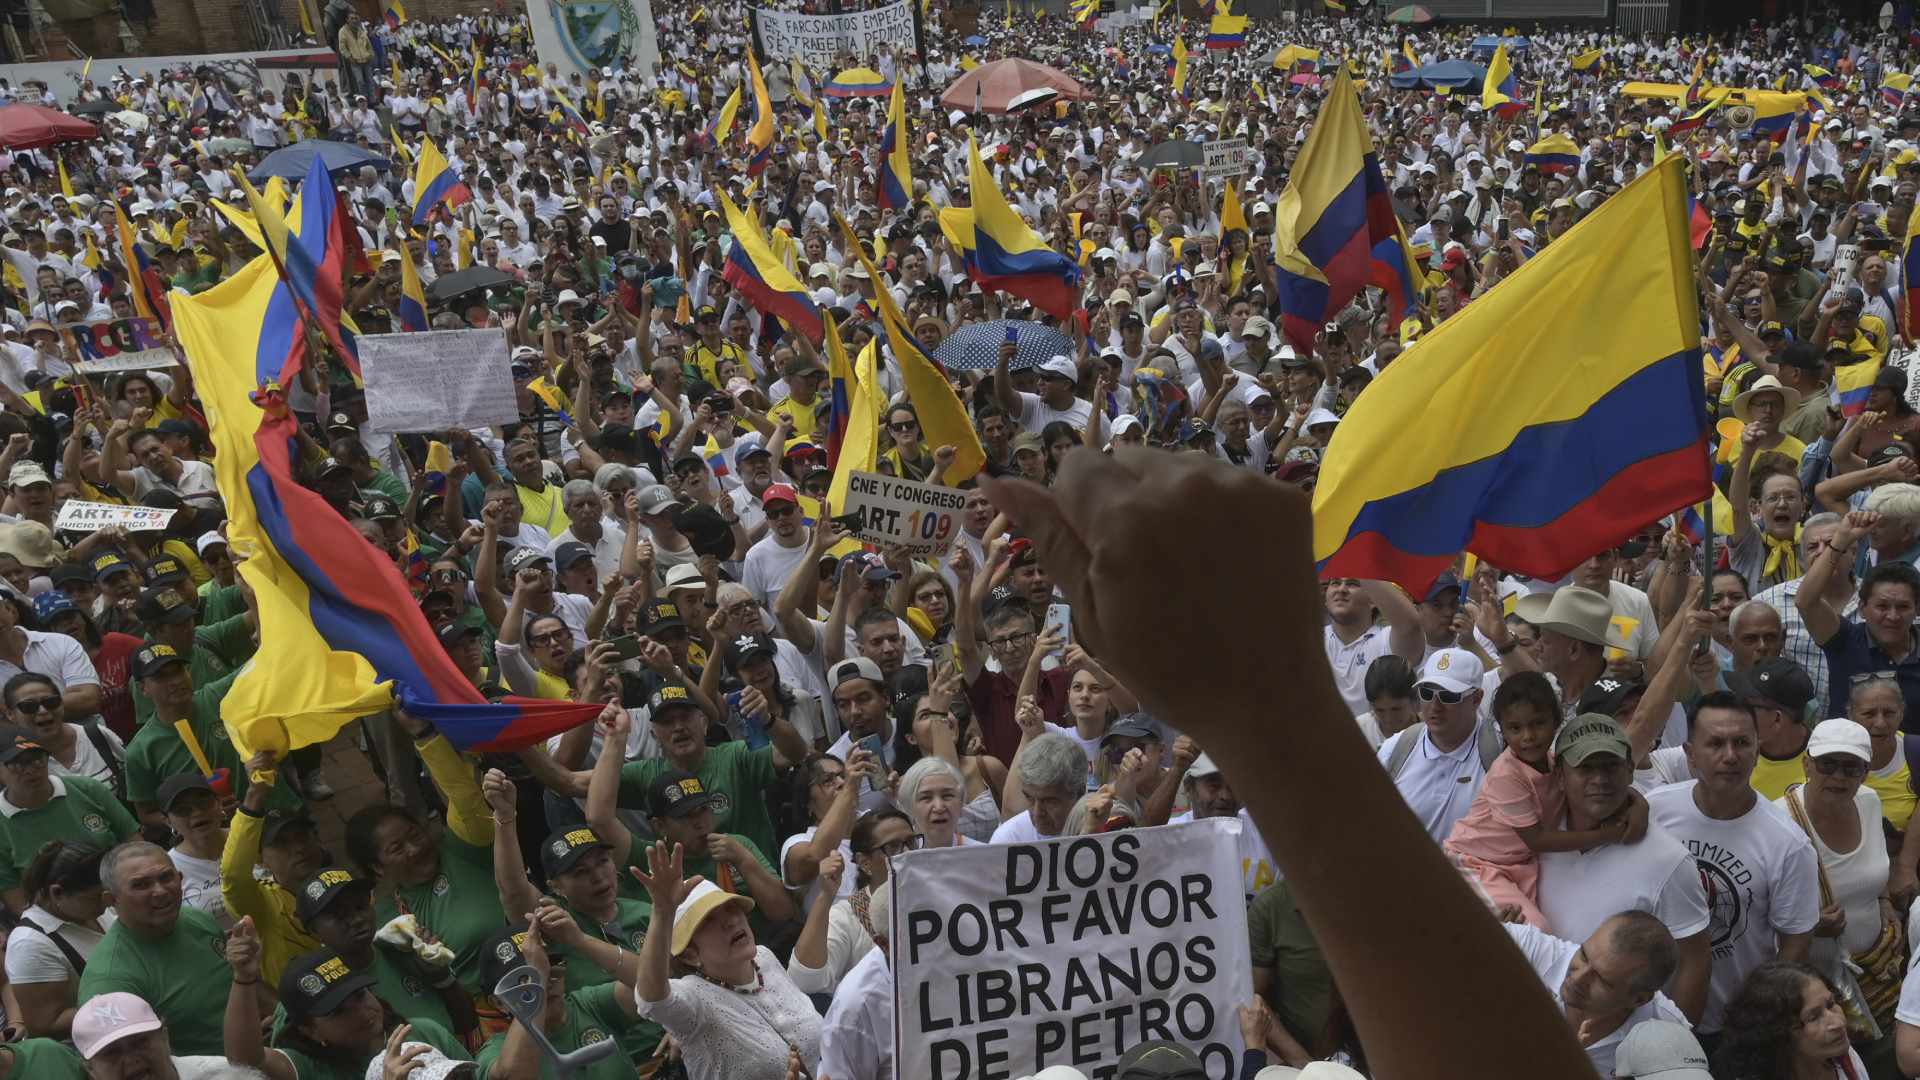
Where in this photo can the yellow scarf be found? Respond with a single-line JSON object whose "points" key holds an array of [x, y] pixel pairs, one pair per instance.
{"points": [[1781, 555]]}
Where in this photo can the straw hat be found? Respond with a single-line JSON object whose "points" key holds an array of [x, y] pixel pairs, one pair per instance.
{"points": [[1762, 385]]}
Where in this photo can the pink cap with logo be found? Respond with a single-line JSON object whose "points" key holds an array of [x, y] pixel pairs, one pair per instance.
{"points": [[109, 1017]]}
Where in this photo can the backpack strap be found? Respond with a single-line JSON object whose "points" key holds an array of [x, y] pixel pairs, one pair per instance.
{"points": [[98, 737], [66, 948], [1490, 744], [1402, 750]]}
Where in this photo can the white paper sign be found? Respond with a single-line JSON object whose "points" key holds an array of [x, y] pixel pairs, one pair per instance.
{"points": [[823, 42], [437, 379], [1011, 958], [1225, 158], [78, 516], [923, 518]]}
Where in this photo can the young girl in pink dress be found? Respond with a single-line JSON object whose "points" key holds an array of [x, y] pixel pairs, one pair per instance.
{"points": [[1521, 808]]}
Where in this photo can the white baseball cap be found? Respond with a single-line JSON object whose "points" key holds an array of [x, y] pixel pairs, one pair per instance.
{"points": [[1062, 368], [1660, 1050], [1840, 736], [1453, 669]]}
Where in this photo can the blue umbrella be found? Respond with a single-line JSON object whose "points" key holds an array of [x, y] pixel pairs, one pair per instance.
{"points": [[976, 346], [1158, 49], [976, 41], [1452, 74], [294, 162]]}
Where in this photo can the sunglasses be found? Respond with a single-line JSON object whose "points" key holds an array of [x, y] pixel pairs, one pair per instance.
{"points": [[1833, 765], [31, 706], [1430, 692]]}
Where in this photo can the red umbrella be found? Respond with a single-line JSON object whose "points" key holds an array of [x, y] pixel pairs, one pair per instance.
{"points": [[1000, 82], [30, 127]]}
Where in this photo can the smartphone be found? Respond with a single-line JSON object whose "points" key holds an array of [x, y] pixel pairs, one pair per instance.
{"points": [[626, 646], [871, 744], [943, 655], [1013, 334], [1060, 618], [850, 522]]}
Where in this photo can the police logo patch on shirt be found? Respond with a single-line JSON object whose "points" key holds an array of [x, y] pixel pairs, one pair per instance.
{"points": [[94, 823], [312, 985], [441, 885]]}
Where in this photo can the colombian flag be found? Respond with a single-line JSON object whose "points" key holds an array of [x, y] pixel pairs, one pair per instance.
{"points": [[413, 299], [896, 178], [395, 14], [760, 135], [1227, 32], [1588, 61], [1893, 88], [1773, 114], [1497, 93], [149, 292], [311, 263], [1694, 120], [435, 182], [1335, 232], [943, 420], [764, 280], [336, 616], [1578, 456], [1554, 154], [716, 132], [1822, 78], [853, 425], [1296, 58], [1853, 382], [1010, 258]]}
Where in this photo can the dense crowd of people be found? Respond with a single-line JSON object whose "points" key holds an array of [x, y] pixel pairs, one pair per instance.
{"points": [[1686, 782]]}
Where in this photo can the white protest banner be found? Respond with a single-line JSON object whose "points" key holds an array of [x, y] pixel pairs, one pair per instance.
{"points": [[1011, 958], [77, 516], [1225, 158], [118, 345], [820, 41], [922, 518], [437, 379]]}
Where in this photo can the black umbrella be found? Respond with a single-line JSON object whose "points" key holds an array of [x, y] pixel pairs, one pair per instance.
{"points": [[976, 346], [460, 282], [97, 107], [1174, 154], [293, 162]]}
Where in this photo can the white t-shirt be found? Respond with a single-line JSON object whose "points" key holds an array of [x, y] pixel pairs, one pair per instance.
{"points": [[813, 887], [768, 565], [200, 885], [1759, 874], [1634, 619], [1036, 414], [1667, 765], [1579, 890], [87, 761], [1351, 659], [1907, 1012], [1857, 879], [1017, 829], [1551, 956], [32, 957]]}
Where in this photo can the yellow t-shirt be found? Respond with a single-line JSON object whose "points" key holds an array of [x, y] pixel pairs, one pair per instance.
{"points": [[1790, 446], [1772, 778], [1897, 799], [550, 687], [805, 418]]}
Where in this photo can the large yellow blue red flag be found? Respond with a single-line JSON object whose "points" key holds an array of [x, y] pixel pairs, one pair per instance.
{"points": [[310, 263], [943, 420], [1335, 231], [760, 135], [1180, 68], [723, 120], [1894, 88], [896, 177], [1227, 31], [1006, 254], [435, 183], [337, 620], [759, 276], [148, 293], [1589, 60], [1573, 457], [1556, 153], [1499, 94]]}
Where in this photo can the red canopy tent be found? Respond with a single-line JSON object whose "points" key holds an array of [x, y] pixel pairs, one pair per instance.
{"points": [[30, 127], [1000, 82]]}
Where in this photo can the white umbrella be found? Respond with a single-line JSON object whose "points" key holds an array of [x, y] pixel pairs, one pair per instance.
{"points": [[135, 120]]}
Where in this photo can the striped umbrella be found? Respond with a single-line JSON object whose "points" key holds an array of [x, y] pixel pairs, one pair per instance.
{"points": [[858, 82]]}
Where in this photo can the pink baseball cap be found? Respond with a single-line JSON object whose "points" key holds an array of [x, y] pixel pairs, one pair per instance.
{"points": [[109, 1017]]}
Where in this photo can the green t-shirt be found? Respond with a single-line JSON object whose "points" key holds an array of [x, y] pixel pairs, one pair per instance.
{"points": [[42, 1059], [156, 751], [461, 905], [389, 485], [81, 809], [739, 777], [628, 930], [184, 976], [1277, 937], [426, 1031], [405, 992], [593, 1015], [707, 867], [220, 602]]}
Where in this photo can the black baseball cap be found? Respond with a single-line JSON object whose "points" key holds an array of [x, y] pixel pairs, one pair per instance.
{"points": [[322, 889], [179, 784], [381, 508], [105, 566], [166, 571], [746, 647], [565, 847], [1159, 1059], [1607, 696], [279, 821], [153, 659], [1780, 682], [658, 615], [455, 632], [162, 604], [317, 983], [502, 955], [672, 694], [677, 794], [17, 742], [569, 553]]}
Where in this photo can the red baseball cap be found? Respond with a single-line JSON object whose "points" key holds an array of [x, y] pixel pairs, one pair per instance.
{"points": [[779, 493]]}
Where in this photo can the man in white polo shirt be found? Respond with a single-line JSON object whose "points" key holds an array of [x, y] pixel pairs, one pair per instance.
{"points": [[1439, 763]]}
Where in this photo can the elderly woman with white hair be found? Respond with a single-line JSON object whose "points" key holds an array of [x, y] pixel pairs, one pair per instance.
{"points": [[932, 793], [1048, 777], [1896, 536]]}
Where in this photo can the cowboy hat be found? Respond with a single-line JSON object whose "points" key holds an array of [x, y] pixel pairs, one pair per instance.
{"points": [[1580, 614], [1764, 384]]}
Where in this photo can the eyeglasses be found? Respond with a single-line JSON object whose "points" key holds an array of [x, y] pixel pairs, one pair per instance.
{"points": [[1429, 692], [1873, 676], [776, 514], [896, 847], [551, 637], [904, 425], [1009, 640], [1835, 765], [34, 705]]}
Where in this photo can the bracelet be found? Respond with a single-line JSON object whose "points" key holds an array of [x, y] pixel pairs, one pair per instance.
{"points": [[509, 821]]}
